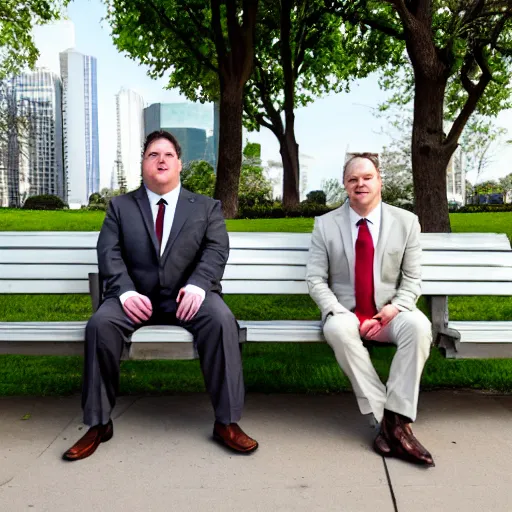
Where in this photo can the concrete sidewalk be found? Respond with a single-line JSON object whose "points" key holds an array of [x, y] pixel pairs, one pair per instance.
{"points": [[315, 454]]}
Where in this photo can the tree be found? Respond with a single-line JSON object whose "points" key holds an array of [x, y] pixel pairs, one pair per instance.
{"points": [[316, 197], [457, 53], [198, 176], [478, 144], [17, 48], [506, 185], [396, 169], [208, 48], [298, 55], [334, 192], [255, 187]]}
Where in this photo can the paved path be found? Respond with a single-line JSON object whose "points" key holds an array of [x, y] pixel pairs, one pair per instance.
{"points": [[314, 455]]}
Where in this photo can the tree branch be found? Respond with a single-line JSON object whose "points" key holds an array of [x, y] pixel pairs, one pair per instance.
{"points": [[204, 31], [261, 82], [183, 37], [474, 96], [407, 18], [218, 39], [233, 26]]}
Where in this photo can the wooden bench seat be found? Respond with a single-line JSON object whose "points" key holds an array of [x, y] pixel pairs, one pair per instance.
{"points": [[259, 263]]}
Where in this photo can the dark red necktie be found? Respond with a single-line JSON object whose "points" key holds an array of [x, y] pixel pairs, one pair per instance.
{"points": [[159, 224], [364, 285]]}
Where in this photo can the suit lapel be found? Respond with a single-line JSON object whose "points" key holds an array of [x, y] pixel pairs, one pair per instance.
{"points": [[343, 221], [184, 209], [386, 225], [145, 208]]}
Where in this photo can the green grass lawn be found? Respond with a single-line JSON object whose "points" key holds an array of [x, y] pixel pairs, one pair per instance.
{"points": [[294, 367], [77, 220]]}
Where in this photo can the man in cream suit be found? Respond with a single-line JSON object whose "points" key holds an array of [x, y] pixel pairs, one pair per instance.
{"points": [[364, 273]]}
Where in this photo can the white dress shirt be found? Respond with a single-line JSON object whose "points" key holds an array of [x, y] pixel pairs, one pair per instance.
{"points": [[373, 224], [170, 210]]}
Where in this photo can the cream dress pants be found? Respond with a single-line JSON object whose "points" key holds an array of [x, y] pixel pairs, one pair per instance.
{"points": [[411, 332]]}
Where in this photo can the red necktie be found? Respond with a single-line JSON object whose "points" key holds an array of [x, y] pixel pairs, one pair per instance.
{"points": [[365, 301], [159, 225]]}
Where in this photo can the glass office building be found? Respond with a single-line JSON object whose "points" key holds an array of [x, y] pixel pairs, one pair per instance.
{"points": [[193, 125], [80, 121], [31, 152]]}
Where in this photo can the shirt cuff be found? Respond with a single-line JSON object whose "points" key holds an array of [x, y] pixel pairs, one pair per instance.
{"points": [[192, 288], [126, 295]]}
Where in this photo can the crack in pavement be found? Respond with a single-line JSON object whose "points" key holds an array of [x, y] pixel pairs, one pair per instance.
{"points": [[117, 416], [7, 481], [57, 436]]}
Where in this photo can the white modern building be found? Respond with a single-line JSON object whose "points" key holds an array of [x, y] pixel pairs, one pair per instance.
{"points": [[130, 138], [31, 153], [456, 179], [80, 121]]}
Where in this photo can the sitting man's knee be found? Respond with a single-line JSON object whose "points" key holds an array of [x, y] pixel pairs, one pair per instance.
{"points": [[98, 321], [343, 327]]}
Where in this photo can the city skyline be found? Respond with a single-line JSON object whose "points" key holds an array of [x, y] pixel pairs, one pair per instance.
{"points": [[325, 129]]}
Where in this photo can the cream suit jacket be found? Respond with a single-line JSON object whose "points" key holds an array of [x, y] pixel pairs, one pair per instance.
{"points": [[397, 261]]}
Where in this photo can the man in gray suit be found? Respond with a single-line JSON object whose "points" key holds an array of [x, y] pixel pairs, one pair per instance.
{"points": [[161, 255], [364, 273]]}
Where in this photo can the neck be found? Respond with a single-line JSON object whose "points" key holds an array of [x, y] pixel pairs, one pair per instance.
{"points": [[364, 210], [161, 191]]}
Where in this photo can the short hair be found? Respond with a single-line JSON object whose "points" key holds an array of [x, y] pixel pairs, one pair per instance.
{"points": [[161, 134], [373, 157]]}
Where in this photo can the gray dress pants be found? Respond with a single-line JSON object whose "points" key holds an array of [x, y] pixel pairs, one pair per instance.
{"points": [[215, 332]]}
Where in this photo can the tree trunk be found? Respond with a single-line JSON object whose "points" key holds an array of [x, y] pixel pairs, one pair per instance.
{"points": [[230, 146], [430, 156], [289, 150]]}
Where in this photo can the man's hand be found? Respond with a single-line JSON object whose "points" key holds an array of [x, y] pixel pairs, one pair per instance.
{"points": [[386, 314], [189, 304], [369, 328], [138, 308]]}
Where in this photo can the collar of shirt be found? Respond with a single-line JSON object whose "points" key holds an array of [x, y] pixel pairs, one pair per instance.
{"points": [[171, 198], [374, 219]]}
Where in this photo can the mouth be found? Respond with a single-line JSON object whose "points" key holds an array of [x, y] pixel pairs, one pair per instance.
{"points": [[162, 169]]}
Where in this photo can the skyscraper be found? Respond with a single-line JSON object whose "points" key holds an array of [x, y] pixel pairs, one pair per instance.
{"points": [[80, 120], [31, 146], [130, 137]]}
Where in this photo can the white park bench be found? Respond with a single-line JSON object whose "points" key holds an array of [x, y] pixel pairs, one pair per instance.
{"points": [[259, 263]]}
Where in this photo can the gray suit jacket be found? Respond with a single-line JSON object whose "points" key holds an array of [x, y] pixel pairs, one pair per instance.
{"points": [[128, 254], [397, 261]]}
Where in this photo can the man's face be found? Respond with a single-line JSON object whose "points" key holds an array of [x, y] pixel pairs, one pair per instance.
{"points": [[363, 185], [161, 167]]}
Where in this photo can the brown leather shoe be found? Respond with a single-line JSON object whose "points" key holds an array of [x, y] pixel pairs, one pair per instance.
{"points": [[234, 437], [87, 445], [402, 441], [381, 445]]}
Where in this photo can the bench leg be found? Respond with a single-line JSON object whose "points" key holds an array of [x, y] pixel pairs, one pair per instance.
{"points": [[445, 338]]}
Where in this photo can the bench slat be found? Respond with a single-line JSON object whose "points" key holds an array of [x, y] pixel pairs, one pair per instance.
{"points": [[451, 288], [429, 241], [52, 256], [252, 257]]}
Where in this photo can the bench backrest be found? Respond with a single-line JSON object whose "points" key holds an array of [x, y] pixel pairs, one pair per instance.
{"points": [[259, 263]]}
